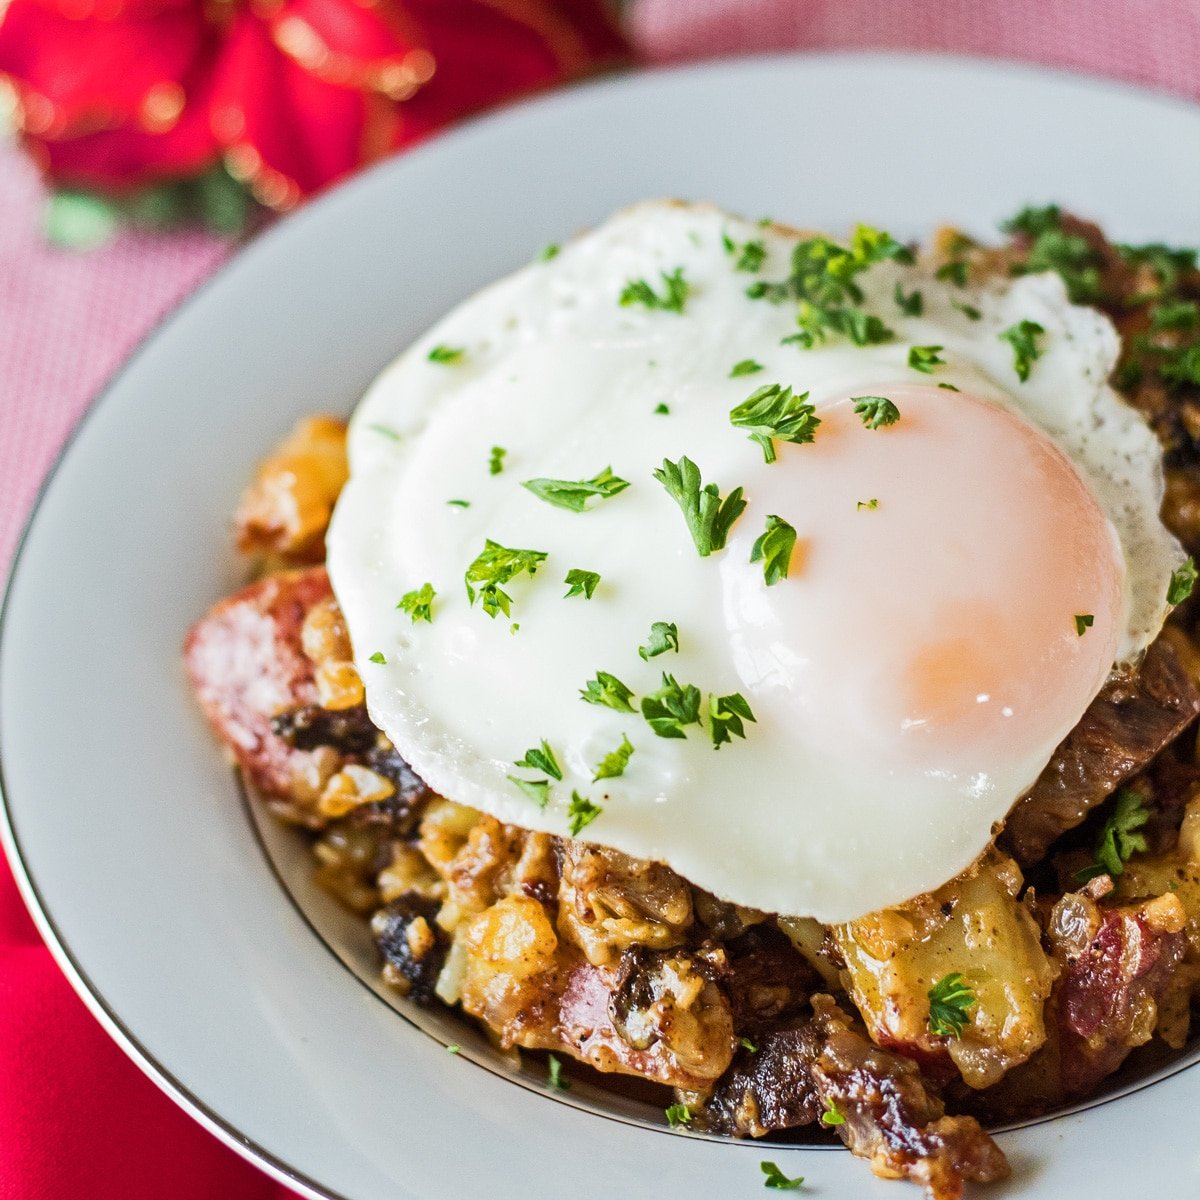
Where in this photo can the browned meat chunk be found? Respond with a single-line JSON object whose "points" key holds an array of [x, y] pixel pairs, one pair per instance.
{"points": [[1128, 723], [412, 945], [825, 1069]]}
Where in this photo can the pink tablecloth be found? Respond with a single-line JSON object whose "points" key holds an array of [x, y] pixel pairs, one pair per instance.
{"points": [[68, 320]]}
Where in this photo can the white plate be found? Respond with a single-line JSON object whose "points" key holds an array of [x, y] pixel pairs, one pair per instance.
{"points": [[124, 826]]}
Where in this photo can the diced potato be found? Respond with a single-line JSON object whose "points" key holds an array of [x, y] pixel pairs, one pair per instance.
{"points": [[974, 926]]}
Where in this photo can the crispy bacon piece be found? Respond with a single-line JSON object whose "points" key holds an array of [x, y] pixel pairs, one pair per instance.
{"points": [[1132, 719]]}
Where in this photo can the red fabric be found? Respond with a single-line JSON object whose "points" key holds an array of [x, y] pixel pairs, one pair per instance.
{"points": [[77, 1120]]}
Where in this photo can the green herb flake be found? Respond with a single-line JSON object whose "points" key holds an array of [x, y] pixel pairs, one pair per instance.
{"points": [[751, 256], [775, 1178], [661, 410], [419, 603], [453, 1048], [581, 812], [949, 1000], [747, 366], [1022, 337], [538, 790], [709, 517], [446, 354], [613, 764], [677, 1115], [832, 1115], [672, 707], [875, 411], [968, 310], [672, 299], [1048, 247], [496, 460], [1183, 579], [664, 636], [925, 358], [549, 252], [954, 271], [609, 691], [773, 548], [1083, 621], [494, 566], [580, 583], [747, 1045], [377, 657], [873, 503], [911, 304], [541, 759], [773, 413], [459, 503], [1119, 839], [726, 715], [574, 494], [385, 431], [948, 387], [554, 1075]]}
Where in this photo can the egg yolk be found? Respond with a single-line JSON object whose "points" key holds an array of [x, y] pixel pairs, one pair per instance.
{"points": [[956, 594]]}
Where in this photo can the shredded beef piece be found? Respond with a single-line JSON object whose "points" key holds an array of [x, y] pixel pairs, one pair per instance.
{"points": [[891, 1115], [412, 944], [346, 730], [767, 979], [1132, 719]]}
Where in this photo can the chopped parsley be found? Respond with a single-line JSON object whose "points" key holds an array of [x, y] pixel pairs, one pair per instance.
{"points": [[446, 354], [968, 310], [661, 410], [672, 707], [419, 603], [538, 790], [549, 252], [574, 494], [746, 367], [1083, 621], [377, 657], [747, 1045], [750, 255], [953, 271], [496, 460], [875, 411], [832, 1115], [911, 304], [581, 583], [949, 999], [614, 763], [386, 431], [541, 759], [460, 503], [1119, 839], [554, 1075], [872, 503], [664, 636], [948, 386], [581, 812], [453, 1048], [494, 566], [609, 691], [726, 715], [708, 517], [672, 299], [1051, 248], [775, 1178], [773, 412], [1022, 337], [678, 1114], [774, 549], [1183, 579], [925, 358]]}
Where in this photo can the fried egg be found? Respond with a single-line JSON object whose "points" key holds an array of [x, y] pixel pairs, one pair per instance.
{"points": [[824, 742]]}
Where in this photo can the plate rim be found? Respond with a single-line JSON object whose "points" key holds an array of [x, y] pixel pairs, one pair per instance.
{"points": [[88, 992]]}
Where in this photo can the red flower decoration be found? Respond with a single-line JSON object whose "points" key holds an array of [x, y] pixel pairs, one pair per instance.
{"points": [[291, 94]]}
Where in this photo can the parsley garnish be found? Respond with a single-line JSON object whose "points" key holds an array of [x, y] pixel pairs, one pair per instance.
{"points": [[949, 999], [496, 565], [1183, 579], [875, 411], [377, 657], [614, 763], [638, 291], [911, 305], [496, 460], [678, 1114], [1167, 262], [574, 494], [872, 503], [752, 255], [453, 1048], [661, 410], [775, 1178], [418, 604], [672, 707], [1022, 337], [925, 358], [386, 431], [747, 1045], [1083, 621], [774, 412], [725, 717], [968, 310], [1051, 249], [581, 812], [709, 518], [446, 354], [774, 548], [554, 1075], [832, 1115], [1119, 839], [948, 386], [549, 252], [954, 271], [608, 690], [538, 790], [581, 583], [460, 503], [664, 636], [541, 759], [746, 367]]}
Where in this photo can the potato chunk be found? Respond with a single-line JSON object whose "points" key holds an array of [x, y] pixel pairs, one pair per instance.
{"points": [[975, 926]]}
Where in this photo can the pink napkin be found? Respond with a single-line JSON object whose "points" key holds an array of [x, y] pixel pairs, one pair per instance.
{"points": [[66, 323]]}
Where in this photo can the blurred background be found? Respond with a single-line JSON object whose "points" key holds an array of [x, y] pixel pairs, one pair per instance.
{"points": [[144, 141]]}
